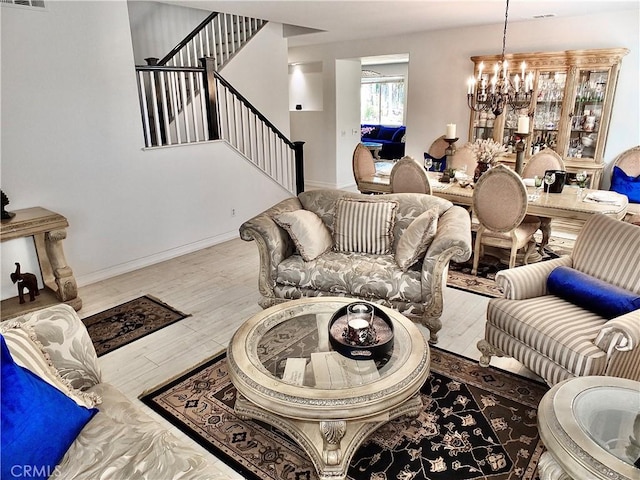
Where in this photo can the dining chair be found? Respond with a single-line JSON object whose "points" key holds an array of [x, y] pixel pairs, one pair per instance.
{"points": [[463, 157], [538, 164], [500, 205], [408, 176], [626, 180], [544, 160], [437, 153], [364, 165]]}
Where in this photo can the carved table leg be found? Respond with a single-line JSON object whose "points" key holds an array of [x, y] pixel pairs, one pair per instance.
{"points": [[548, 468], [332, 433], [64, 283]]}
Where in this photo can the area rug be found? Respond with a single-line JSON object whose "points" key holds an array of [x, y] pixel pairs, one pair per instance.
{"points": [[476, 423], [460, 277], [129, 321]]}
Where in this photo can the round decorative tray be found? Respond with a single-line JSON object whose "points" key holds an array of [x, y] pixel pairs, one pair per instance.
{"points": [[381, 347]]}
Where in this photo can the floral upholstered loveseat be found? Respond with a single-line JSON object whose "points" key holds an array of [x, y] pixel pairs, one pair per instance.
{"points": [[84, 428], [327, 253]]}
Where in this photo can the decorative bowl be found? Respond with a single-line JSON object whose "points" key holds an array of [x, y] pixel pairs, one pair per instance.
{"points": [[588, 140], [380, 349]]}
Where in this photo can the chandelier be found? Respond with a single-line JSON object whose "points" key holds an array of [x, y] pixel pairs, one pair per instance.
{"points": [[501, 90]]}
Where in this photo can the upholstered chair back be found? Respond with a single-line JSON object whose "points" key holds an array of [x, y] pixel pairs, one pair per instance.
{"points": [[462, 157], [438, 147], [609, 249], [629, 161], [500, 199], [544, 160], [408, 176], [363, 162]]}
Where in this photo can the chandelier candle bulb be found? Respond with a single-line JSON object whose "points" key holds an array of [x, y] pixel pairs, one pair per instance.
{"points": [[451, 130], [523, 124]]}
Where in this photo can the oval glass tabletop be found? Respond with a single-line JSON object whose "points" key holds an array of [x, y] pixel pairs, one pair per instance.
{"points": [[297, 351], [608, 416]]}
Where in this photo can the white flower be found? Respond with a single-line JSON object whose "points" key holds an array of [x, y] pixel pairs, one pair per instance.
{"points": [[486, 151]]}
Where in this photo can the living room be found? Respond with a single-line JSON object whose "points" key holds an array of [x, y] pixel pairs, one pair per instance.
{"points": [[72, 142]]}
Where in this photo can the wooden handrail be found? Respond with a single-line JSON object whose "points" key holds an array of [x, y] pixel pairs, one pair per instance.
{"points": [[253, 109], [187, 39]]}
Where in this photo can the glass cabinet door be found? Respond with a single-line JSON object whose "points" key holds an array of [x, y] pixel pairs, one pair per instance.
{"points": [[588, 102], [548, 111]]}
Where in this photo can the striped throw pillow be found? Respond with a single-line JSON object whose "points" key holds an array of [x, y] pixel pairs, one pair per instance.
{"points": [[364, 226]]}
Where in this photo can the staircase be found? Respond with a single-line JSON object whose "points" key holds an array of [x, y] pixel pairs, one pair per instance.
{"points": [[185, 100]]}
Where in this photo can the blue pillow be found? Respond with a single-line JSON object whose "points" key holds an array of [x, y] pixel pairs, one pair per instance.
{"points": [[397, 137], [39, 422], [386, 133], [592, 293], [626, 184]]}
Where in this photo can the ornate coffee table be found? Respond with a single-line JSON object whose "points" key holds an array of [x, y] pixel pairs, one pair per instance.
{"points": [[591, 428], [328, 404]]}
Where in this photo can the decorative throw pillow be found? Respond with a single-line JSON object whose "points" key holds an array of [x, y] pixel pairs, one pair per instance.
{"points": [[416, 239], [29, 353], [626, 184], [309, 233], [364, 226], [591, 293], [39, 422]]}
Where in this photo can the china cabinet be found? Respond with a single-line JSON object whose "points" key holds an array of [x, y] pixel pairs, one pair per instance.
{"points": [[570, 108]]}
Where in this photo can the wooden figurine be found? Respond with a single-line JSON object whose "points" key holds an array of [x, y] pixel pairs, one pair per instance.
{"points": [[5, 201], [25, 280]]}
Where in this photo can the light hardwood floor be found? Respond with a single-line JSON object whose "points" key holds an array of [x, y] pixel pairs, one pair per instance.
{"points": [[218, 286]]}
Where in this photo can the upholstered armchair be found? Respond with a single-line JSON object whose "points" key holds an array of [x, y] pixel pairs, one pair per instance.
{"points": [[408, 176], [563, 330]]}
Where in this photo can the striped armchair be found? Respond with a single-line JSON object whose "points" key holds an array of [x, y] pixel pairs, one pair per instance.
{"points": [[556, 339]]}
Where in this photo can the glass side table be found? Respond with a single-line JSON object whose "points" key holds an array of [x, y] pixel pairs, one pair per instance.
{"points": [[591, 428]]}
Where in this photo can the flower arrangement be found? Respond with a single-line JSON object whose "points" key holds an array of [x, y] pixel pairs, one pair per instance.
{"points": [[486, 151]]}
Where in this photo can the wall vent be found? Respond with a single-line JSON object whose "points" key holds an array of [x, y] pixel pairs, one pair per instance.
{"points": [[24, 3]]}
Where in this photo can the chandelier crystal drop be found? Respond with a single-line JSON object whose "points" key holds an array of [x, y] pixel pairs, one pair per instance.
{"points": [[492, 95]]}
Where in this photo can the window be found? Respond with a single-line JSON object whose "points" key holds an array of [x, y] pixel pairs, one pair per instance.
{"points": [[382, 100]]}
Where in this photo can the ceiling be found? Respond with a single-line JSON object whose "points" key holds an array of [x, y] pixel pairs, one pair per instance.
{"points": [[338, 21]]}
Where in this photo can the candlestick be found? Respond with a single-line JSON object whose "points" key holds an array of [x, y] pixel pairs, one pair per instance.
{"points": [[451, 130], [450, 150]]}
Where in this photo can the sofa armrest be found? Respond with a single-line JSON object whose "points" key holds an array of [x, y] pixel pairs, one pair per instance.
{"points": [[621, 333], [274, 243], [529, 281], [67, 342], [452, 242]]}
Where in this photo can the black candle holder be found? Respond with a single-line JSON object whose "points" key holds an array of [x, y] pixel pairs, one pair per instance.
{"points": [[450, 148]]}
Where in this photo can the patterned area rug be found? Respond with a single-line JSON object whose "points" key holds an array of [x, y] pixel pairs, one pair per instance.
{"points": [[476, 423], [130, 321], [484, 283]]}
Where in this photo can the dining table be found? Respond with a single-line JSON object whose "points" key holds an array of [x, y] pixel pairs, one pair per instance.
{"points": [[569, 204]]}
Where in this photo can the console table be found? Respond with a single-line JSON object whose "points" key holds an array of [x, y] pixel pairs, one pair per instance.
{"points": [[48, 230]]}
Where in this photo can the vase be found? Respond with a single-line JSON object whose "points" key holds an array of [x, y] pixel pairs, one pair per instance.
{"points": [[480, 169]]}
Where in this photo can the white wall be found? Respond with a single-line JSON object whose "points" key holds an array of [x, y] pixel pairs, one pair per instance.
{"points": [[158, 27], [440, 64], [348, 74], [72, 142], [305, 86]]}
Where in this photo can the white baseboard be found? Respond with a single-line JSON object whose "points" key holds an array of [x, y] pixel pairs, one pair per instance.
{"points": [[153, 259]]}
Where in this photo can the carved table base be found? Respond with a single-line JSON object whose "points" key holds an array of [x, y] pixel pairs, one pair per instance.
{"points": [[329, 444]]}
